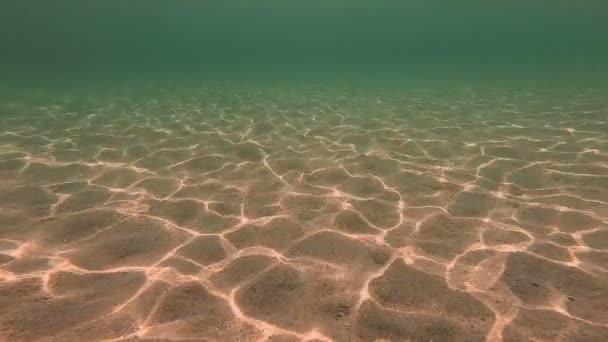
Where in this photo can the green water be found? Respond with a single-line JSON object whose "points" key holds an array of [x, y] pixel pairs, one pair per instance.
{"points": [[158, 38]]}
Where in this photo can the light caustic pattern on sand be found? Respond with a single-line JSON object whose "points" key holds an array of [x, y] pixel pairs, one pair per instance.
{"points": [[305, 216]]}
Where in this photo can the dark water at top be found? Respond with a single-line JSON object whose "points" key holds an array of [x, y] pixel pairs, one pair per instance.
{"points": [[149, 38]]}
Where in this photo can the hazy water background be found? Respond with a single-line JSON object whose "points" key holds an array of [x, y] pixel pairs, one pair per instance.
{"points": [[314, 39]]}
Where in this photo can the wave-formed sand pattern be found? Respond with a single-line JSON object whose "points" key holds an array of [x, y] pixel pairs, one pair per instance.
{"points": [[286, 216]]}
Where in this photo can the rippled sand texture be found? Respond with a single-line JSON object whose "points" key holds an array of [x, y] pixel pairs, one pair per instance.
{"points": [[300, 215]]}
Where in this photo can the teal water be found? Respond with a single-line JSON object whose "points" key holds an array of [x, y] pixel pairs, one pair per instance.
{"points": [[303, 171], [270, 37]]}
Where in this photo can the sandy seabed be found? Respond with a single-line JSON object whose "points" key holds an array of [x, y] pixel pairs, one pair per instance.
{"points": [[293, 215]]}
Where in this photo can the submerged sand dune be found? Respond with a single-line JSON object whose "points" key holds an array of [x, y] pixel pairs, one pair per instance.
{"points": [[288, 215]]}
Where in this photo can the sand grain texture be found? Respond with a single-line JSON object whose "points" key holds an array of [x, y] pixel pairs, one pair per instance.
{"points": [[284, 215]]}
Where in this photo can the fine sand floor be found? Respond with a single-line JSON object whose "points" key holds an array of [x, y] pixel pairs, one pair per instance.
{"points": [[289, 215]]}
